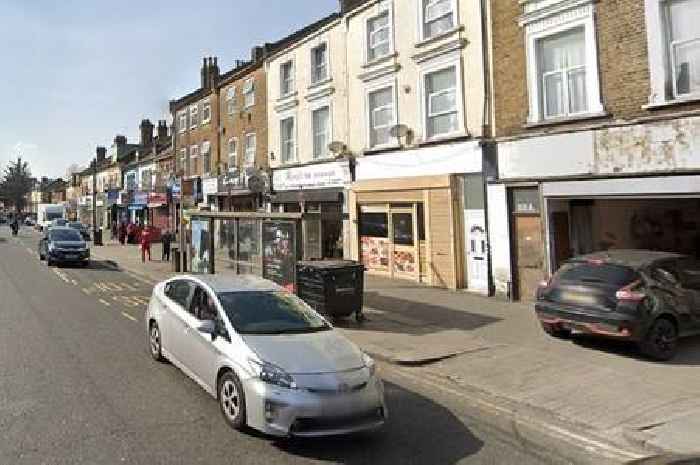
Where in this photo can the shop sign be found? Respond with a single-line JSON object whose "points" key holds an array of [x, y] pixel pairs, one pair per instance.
{"points": [[320, 176], [112, 198], [140, 198], [124, 198], [175, 189], [210, 186], [157, 199]]}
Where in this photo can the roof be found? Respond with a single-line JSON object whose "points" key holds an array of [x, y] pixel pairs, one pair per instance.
{"points": [[235, 283], [629, 257]]}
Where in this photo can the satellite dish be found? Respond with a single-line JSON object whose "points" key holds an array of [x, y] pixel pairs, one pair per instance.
{"points": [[399, 130], [336, 147]]}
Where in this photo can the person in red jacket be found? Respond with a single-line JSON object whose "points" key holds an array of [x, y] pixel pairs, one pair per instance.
{"points": [[145, 244]]}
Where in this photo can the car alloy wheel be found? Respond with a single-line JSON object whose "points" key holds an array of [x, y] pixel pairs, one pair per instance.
{"points": [[662, 340], [155, 343], [232, 400]]}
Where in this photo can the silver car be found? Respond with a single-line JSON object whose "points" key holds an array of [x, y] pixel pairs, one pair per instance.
{"points": [[273, 363]]}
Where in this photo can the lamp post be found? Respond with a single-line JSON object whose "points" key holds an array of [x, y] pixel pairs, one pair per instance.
{"points": [[96, 238]]}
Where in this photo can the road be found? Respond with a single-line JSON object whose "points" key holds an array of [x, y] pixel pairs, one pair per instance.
{"points": [[77, 387]]}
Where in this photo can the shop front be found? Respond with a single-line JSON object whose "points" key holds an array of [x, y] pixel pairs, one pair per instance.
{"points": [[138, 207], [242, 190], [210, 189], [319, 191], [415, 225], [158, 210]]}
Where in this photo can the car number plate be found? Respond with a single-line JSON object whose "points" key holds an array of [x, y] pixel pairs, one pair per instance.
{"points": [[71, 256]]}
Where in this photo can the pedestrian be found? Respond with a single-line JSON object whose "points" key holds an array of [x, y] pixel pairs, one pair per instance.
{"points": [[130, 233], [114, 230], [167, 239], [145, 245], [122, 233]]}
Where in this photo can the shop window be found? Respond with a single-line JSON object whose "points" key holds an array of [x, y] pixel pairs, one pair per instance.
{"points": [[403, 228], [421, 222], [526, 201], [374, 225]]}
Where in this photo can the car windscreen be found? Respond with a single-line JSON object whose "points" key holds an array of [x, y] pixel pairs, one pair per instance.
{"points": [[65, 235], [53, 215], [604, 273], [266, 312]]}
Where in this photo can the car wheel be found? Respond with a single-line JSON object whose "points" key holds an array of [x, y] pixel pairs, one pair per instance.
{"points": [[155, 343], [49, 262], [232, 400], [556, 331], [661, 341]]}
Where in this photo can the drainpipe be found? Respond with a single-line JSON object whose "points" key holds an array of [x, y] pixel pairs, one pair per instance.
{"points": [[487, 147]]}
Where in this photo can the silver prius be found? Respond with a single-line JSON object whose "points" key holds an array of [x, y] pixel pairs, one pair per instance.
{"points": [[273, 363]]}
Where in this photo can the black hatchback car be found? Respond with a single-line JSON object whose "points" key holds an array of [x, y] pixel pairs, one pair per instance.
{"points": [[651, 298], [64, 245]]}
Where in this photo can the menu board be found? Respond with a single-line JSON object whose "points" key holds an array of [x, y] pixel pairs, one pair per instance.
{"points": [[279, 252]]}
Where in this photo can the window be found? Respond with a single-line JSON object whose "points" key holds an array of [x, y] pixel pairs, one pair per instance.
{"points": [[250, 148], [441, 102], [206, 157], [194, 151], [231, 100], [203, 307], [287, 143], [194, 116], [684, 46], [378, 36], [249, 93], [321, 129], [206, 112], [374, 224], [182, 121], [183, 160], [562, 73], [286, 78], [131, 181], [381, 116], [319, 63], [403, 228], [438, 17], [232, 153], [526, 200], [179, 292]]}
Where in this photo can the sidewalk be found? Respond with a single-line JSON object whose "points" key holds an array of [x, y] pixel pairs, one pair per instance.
{"points": [[488, 347]]}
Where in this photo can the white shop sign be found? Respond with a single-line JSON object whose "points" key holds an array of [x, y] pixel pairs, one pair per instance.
{"points": [[323, 175], [210, 186]]}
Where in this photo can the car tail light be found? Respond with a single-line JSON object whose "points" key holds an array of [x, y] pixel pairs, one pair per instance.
{"points": [[627, 294]]}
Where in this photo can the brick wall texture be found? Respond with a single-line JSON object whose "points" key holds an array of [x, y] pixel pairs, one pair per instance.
{"points": [[623, 65]]}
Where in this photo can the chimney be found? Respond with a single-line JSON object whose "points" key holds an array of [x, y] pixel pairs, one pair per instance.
{"points": [[162, 130], [205, 72], [257, 53], [213, 72], [120, 141], [101, 153], [146, 133]]}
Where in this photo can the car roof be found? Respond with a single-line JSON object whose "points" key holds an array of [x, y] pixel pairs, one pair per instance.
{"points": [[633, 258], [234, 283]]}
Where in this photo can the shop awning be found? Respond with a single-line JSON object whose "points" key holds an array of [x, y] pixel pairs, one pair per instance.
{"points": [[315, 195]]}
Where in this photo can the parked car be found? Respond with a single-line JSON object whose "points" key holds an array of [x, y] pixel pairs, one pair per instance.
{"points": [[83, 229], [58, 223], [651, 298], [273, 363], [63, 245]]}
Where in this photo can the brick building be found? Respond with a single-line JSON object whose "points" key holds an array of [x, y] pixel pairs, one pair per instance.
{"points": [[597, 123]]}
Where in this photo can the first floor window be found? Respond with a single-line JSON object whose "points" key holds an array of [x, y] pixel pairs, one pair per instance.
{"points": [[562, 61], [206, 112], [441, 102], [321, 129], [286, 78], [381, 116], [250, 148], [183, 161], [319, 63], [232, 153], [684, 46], [194, 116], [249, 93], [182, 121], [287, 144], [206, 157], [438, 17], [230, 100]]}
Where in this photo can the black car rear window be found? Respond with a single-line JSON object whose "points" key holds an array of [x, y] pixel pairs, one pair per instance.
{"points": [[616, 275], [65, 235]]}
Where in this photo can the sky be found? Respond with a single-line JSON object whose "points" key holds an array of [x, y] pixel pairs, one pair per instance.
{"points": [[74, 73]]}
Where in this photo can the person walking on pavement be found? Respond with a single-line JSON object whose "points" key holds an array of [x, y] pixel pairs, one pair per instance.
{"points": [[167, 239], [122, 233], [145, 245]]}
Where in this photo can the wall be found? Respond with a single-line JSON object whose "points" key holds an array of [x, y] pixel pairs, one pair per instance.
{"points": [[306, 97], [243, 121], [201, 133], [499, 236], [403, 69]]}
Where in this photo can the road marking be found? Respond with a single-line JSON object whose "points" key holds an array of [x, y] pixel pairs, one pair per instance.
{"points": [[590, 444], [87, 291], [105, 303], [126, 315]]}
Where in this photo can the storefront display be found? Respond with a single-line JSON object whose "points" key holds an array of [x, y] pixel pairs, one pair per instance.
{"points": [[279, 253], [200, 246]]}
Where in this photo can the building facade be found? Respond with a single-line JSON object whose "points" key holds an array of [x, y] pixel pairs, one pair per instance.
{"points": [[416, 96], [596, 118]]}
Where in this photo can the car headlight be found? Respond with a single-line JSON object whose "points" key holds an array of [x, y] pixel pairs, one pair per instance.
{"points": [[272, 374], [369, 363], [51, 248]]}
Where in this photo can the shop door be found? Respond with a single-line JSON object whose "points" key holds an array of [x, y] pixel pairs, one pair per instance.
{"points": [[561, 240], [528, 255], [477, 259], [404, 253]]}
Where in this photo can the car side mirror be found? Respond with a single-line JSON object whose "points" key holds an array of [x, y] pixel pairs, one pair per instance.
{"points": [[208, 327]]}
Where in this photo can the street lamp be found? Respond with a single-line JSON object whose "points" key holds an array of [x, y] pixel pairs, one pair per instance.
{"points": [[96, 239]]}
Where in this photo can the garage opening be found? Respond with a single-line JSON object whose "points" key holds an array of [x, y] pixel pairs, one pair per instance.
{"points": [[579, 226]]}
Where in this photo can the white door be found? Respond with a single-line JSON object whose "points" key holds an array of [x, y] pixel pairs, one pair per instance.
{"points": [[202, 351], [476, 251], [173, 326]]}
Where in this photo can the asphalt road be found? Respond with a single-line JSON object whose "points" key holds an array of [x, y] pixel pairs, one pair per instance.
{"points": [[77, 386]]}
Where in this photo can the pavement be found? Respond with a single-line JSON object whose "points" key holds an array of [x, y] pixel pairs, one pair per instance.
{"points": [[496, 353], [77, 386]]}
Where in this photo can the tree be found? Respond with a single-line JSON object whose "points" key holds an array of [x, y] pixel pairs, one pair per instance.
{"points": [[16, 183]]}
